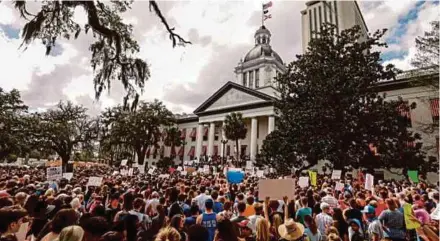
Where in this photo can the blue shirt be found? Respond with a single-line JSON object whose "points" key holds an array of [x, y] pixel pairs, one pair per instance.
{"points": [[218, 207], [209, 221]]}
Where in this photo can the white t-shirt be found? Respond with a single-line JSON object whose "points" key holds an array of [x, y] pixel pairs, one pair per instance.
{"points": [[153, 203], [200, 199]]}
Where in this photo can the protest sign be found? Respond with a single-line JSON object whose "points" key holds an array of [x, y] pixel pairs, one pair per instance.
{"points": [[183, 173], [260, 173], [206, 169], [200, 170], [276, 189], [179, 169], [194, 173], [151, 171], [124, 162], [339, 186], [54, 173], [336, 174], [413, 175], [164, 176], [312, 176], [303, 182], [249, 165], [130, 172], [95, 181], [68, 175], [190, 169], [369, 182], [234, 176], [435, 215], [141, 169], [409, 220]]}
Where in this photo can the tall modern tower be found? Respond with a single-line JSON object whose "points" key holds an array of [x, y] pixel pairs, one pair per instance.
{"points": [[343, 14]]}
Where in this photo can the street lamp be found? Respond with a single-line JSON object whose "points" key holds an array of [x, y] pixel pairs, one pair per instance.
{"points": [[223, 152]]}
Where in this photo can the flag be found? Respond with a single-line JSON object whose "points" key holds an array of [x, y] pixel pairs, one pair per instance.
{"points": [[265, 11], [267, 16], [267, 5]]}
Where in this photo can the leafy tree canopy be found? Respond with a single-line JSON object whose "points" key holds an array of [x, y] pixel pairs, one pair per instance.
{"points": [[235, 129]]}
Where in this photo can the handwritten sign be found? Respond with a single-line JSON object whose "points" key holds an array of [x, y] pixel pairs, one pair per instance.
{"points": [[54, 173], [68, 175], [130, 172], [313, 178], [206, 169], [124, 162], [95, 181], [179, 169], [303, 182], [339, 186], [284, 187], [249, 165], [183, 173], [369, 182], [336, 174], [260, 173]]}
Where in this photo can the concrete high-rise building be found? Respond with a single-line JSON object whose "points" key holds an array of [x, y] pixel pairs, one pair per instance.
{"points": [[343, 14]]}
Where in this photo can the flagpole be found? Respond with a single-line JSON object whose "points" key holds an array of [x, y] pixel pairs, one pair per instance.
{"points": [[262, 14]]}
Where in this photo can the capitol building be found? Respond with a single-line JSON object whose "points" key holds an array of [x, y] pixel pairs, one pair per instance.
{"points": [[253, 92]]}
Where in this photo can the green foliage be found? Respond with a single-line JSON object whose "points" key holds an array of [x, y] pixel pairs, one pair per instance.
{"points": [[172, 138], [12, 136], [165, 163], [62, 129], [235, 129], [135, 130], [428, 53], [113, 52], [329, 109]]}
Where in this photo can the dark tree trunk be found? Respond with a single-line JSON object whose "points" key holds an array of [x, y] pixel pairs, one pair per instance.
{"points": [[238, 151]]}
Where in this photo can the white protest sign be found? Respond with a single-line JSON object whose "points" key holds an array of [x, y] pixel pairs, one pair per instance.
{"points": [[284, 187], [68, 175], [336, 174], [235, 169], [54, 173], [435, 215], [369, 181], [179, 169], [183, 173], [271, 170], [206, 169], [130, 172], [134, 165], [164, 175], [260, 173], [151, 171], [141, 169], [194, 173], [123, 172], [249, 165], [339, 186], [94, 181], [115, 173], [124, 162], [303, 182], [200, 169]]}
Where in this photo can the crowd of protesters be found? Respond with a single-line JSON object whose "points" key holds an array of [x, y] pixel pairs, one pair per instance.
{"points": [[205, 207]]}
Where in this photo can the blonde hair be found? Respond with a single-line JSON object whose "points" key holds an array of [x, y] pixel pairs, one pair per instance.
{"points": [[71, 233], [277, 221], [262, 230], [168, 234]]}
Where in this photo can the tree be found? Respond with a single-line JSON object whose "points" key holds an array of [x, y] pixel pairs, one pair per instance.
{"points": [[12, 136], [137, 130], [172, 139], [63, 129], [329, 109], [235, 129], [428, 53], [113, 52]]}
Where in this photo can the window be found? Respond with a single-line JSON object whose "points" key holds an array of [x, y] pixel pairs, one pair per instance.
{"points": [[406, 114], [257, 78], [193, 134], [244, 79], [434, 111], [251, 79]]}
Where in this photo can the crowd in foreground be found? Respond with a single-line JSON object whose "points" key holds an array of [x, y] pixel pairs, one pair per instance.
{"points": [[205, 207]]}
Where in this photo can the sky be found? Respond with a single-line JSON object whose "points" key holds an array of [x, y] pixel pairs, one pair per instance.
{"points": [[221, 33]]}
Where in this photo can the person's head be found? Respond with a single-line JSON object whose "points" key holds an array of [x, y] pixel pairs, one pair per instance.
{"points": [[11, 219], [354, 224], [325, 207], [214, 195], [226, 230], [112, 236], [194, 210], [227, 206], [128, 201], [168, 234], [94, 228], [391, 204], [75, 203], [177, 222], [369, 212], [250, 200], [20, 198], [245, 228], [138, 203], [304, 201], [241, 206], [209, 204], [258, 208], [63, 218], [197, 232], [262, 229], [71, 233]]}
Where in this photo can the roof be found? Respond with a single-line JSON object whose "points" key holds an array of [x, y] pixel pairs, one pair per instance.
{"points": [[260, 51], [225, 88]]}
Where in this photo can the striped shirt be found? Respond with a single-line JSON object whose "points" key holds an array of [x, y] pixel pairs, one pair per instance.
{"points": [[323, 221]]}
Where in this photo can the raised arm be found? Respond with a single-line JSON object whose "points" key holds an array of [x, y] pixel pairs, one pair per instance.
{"points": [[265, 207], [286, 208]]}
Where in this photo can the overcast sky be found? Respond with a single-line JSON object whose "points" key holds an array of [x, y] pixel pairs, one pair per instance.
{"points": [[221, 33]]}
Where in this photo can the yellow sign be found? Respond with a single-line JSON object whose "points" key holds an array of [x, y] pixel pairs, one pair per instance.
{"points": [[312, 176], [410, 220]]}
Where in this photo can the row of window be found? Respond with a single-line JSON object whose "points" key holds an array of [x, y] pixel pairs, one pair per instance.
{"points": [[434, 112], [329, 10], [248, 78]]}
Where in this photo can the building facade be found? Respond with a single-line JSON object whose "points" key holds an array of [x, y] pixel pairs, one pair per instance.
{"points": [[253, 93]]}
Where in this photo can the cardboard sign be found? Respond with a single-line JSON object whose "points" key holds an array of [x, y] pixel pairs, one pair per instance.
{"points": [[54, 173], [284, 187], [95, 181], [313, 178], [190, 169], [260, 173], [413, 176], [124, 162], [303, 182], [68, 175], [369, 182], [339, 186], [336, 174]]}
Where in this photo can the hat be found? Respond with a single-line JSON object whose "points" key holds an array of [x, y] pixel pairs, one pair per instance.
{"points": [[355, 221], [291, 230], [369, 209]]}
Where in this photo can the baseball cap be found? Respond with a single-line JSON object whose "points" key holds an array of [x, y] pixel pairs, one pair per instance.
{"points": [[369, 209]]}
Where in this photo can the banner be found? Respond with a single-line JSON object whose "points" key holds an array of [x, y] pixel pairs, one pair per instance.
{"points": [[313, 176], [54, 173], [303, 182], [413, 176], [95, 181], [336, 174], [276, 189]]}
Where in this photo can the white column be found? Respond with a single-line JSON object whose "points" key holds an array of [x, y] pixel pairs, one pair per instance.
{"points": [[271, 124], [199, 140], [253, 148], [211, 135], [223, 137]]}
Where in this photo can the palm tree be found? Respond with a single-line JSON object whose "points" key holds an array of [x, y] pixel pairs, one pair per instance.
{"points": [[235, 129], [172, 139]]}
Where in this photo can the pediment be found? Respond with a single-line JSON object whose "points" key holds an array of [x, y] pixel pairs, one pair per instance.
{"points": [[233, 95]]}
